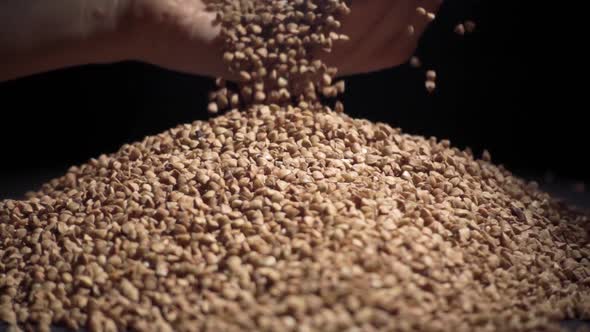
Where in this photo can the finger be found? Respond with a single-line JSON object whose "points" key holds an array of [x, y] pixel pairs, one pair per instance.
{"points": [[388, 23], [359, 25], [398, 43], [403, 47]]}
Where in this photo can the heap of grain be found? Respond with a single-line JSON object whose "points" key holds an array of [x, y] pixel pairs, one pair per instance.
{"points": [[290, 218]]}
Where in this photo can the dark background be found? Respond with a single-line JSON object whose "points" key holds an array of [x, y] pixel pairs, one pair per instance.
{"points": [[506, 88]]}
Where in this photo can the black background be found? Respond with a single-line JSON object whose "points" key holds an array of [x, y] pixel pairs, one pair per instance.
{"points": [[508, 88]]}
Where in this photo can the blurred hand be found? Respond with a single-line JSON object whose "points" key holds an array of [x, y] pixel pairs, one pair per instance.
{"points": [[383, 34], [177, 34], [181, 35]]}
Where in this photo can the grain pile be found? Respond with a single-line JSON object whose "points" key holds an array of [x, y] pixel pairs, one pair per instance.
{"points": [[291, 218]]}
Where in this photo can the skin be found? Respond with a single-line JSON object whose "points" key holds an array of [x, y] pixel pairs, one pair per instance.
{"points": [[39, 35]]}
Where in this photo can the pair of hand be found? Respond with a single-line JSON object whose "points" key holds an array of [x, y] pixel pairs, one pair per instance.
{"points": [[180, 35], [41, 35]]}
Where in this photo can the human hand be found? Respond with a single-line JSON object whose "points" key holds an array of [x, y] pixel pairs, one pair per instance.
{"points": [[177, 34], [181, 35], [383, 34]]}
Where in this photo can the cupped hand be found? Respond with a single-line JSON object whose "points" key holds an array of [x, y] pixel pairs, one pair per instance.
{"points": [[182, 35], [383, 34]]}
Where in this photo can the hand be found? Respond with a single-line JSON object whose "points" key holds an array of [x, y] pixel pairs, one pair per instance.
{"points": [[181, 35], [383, 34], [178, 34]]}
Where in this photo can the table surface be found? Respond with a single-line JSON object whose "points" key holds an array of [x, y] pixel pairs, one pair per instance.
{"points": [[15, 185]]}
